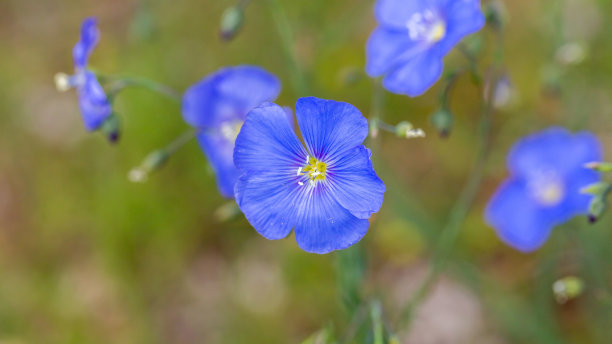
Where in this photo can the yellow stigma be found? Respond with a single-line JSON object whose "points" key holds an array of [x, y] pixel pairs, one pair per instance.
{"points": [[314, 170], [437, 32]]}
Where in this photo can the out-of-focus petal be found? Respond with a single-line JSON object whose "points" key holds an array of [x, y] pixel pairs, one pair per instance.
{"points": [[220, 151], [385, 48], [517, 218], [415, 76], [93, 102], [397, 13], [228, 95], [90, 36], [555, 149], [463, 18]]}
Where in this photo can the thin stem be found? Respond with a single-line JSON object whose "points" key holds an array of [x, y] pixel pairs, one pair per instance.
{"points": [[384, 126], [452, 79], [120, 83], [378, 102], [180, 141], [286, 35], [357, 321], [451, 230], [377, 324]]}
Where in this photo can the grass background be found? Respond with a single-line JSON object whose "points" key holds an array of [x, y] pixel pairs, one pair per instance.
{"points": [[88, 257]]}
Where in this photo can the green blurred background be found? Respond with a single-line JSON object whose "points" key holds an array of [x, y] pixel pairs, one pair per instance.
{"points": [[88, 257]]}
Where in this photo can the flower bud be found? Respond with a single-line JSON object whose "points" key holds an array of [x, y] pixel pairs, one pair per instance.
{"points": [[442, 120], [374, 129], [567, 288], [502, 93], [599, 166], [496, 14], [406, 130], [595, 189], [227, 212], [572, 53], [597, 208], [231, 22], [62, 82], [111, 128]]}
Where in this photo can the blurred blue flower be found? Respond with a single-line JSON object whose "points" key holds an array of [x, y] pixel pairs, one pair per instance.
{"points": [[217, 106], [95, 107], [546, 174], [413, 37], [327, 191]]}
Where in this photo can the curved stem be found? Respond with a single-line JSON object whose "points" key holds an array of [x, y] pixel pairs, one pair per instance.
{"points": [[286, 35], [120, 83], [451, 230]]}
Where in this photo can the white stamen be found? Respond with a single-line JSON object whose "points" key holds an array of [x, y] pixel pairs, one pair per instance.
{"points": [[315, 173], [426, 26], [300, 184], [299, 171], [307, 159]]}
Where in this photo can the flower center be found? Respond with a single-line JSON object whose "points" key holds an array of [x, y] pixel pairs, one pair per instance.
{"points": [[547, 188], [230, 130], [314, 171], [426, 26]]}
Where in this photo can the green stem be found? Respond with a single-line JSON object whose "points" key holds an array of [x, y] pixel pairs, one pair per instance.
{"points": [[378, 102], [377, 324], [180, 141], [120, 83], [286, 35], [383, 125], [359, 316], [451, 230]]}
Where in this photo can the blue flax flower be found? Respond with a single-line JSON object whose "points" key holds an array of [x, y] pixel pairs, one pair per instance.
{"points": [[326, 191], [95, 108], [412, 38], [217, 106], [546, 174]]}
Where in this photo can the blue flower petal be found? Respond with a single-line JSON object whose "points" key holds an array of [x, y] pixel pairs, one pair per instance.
{"points": [[355, 185], [416, 75], [330, 128], [219, 151], [396, 13], [93, 102], [556, 149], [270, 200], [267, 142], [324, 225], [463, 18], [516, 217], [228, 94], [385, 48], [89, 38]]}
